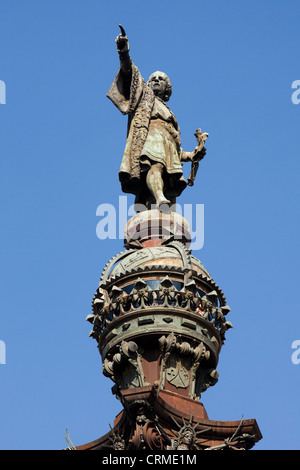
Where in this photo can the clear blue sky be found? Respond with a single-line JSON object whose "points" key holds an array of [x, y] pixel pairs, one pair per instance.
{"points": [[231, 65]]}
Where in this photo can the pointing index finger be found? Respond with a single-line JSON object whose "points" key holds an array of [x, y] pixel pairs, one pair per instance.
{"points": [[122, 30]]}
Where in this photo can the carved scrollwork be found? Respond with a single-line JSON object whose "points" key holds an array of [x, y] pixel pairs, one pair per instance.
{"points": [[118, 300], [215, 314], [206, 378], [180, 362], [117, 440], [148, 434], [124, 366], [167, 292], [141, 295], [189, 296]]}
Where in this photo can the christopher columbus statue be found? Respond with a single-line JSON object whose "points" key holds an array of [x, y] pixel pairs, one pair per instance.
{"points": [[151, 167]]}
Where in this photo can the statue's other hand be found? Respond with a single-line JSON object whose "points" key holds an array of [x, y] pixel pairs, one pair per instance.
{"points": [[199, 153]]}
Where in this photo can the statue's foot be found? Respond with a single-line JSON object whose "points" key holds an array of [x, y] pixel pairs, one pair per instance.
{"points": [[163, 202], [163, 205]]}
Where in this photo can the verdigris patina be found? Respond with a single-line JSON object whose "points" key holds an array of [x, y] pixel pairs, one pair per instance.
{"points": [[151, 167]]}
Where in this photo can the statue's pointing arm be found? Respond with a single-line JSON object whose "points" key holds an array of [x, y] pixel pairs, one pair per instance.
{"points": [[127, 87], [123, 50]]}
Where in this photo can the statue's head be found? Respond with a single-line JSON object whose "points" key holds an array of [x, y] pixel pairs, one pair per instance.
{"points": [[187, 436], [160, 83]]}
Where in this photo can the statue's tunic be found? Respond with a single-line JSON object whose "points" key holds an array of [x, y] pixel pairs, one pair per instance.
{"points": [[153, 136]]}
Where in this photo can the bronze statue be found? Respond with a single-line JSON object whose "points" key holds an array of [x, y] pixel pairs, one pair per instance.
{"points": [[151, 167], [186, 436]]}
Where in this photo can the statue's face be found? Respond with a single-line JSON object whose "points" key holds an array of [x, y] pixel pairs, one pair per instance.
{"points": [[187, 437], [158, 84], [119, 445]]}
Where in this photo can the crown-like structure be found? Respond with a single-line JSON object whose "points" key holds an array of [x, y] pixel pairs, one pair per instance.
{"points": [[160, 321]]}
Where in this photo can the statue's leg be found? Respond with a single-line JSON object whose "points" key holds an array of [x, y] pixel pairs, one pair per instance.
{"points": [[155, 183]]}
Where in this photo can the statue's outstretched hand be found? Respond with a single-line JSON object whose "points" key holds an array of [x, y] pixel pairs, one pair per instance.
{"points": [[122, 41]]}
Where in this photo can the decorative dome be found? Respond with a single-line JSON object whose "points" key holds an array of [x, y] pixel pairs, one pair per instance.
{"points": [[172, 258]]}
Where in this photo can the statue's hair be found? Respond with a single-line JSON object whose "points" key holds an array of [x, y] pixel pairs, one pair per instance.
{"points": [[168, 91]]}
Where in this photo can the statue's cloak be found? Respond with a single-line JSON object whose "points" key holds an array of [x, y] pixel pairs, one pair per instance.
{"points": [[153, 135]]}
